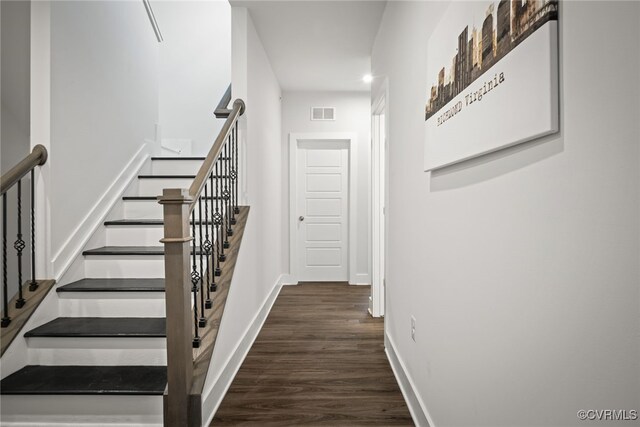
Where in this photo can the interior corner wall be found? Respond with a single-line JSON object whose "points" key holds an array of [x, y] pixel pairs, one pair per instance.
{"points": [[260, 260], [521, 267], [15, 143], [353, 114], [15, 87], [104, 102], [195, 68]]}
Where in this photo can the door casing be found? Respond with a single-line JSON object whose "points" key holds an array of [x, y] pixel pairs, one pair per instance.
{"points": [[379, 199]]}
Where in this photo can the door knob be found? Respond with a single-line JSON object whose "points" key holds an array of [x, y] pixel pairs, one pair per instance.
{"points": [[301, 218]]}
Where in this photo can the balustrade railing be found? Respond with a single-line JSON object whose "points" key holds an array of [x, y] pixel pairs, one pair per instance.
{"points": [[14, 179], [197, 224]]}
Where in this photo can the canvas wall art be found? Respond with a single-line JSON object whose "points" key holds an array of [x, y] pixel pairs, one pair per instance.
{"points": [[493, 78]]}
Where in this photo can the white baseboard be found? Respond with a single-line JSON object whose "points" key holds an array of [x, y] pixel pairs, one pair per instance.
{"points": [[176, 146], [361, 279], [418, 411], [221, 384], [80, 236], [288, 279]]}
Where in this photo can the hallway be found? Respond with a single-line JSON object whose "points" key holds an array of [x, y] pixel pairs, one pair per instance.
{"points": [[318, 360]]}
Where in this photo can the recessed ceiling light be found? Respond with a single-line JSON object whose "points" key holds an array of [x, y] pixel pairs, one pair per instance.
{"points": [[368, 78]]}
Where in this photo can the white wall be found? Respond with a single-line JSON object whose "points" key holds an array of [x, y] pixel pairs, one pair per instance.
{"points": [[195, 68], [522, 267], [353, 114], [104, 102], [261, 258], [15, 82], [14, 125]]}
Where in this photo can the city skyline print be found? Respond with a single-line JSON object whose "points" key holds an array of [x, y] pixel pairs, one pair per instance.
{"points": [[490, 62]]}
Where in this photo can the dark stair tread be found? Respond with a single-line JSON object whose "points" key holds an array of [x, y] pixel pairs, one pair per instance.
{"points": [[176, 158], [166, 176], [156, 198], [142, 221], [76, 380], [128, 250], [114, 285], [175, 176], [184, 158], [134, 222], [102, 327]]}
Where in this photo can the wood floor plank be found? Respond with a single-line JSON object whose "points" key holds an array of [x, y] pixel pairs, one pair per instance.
{"points": [[318, 360]]}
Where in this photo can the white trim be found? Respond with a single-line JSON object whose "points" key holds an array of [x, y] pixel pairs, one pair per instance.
{"points": [[287, 279], [353, 195], [152, 19], [222, 383], [417, 408], [378, 184], [362, 279], [72, 247]]}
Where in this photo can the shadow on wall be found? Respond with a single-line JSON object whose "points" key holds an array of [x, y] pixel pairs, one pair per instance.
{"points": [[502, 162]]}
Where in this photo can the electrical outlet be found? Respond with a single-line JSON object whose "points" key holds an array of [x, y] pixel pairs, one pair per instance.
{"points": [[413, 328]]}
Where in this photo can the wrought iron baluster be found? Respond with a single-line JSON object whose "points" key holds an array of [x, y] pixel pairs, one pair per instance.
{"points": [[19, 246], [218, 219], [215, 217], [230, 183], [203, 320], [207, 245], [195, 278], [236, 209], [212, 287], [223, 229], [232, 178], [34, 283], [227, 194], [5, 283]]}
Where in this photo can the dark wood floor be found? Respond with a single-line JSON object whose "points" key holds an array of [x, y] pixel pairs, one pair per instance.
{"points": [[319, 360]]}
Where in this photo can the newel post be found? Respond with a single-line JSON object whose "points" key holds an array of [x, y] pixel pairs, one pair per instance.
{"points": [[177, 247]]}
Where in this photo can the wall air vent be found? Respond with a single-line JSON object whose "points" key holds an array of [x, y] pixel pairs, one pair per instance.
{"points": [[323, 113]]}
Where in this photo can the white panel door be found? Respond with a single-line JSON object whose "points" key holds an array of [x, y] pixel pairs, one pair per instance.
{"points": [[322, 202]]}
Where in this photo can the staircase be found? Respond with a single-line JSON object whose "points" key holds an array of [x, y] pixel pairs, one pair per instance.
{"points": [[106, 355], [133, 339]]}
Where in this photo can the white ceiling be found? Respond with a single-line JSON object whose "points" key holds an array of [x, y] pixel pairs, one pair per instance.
{"points": [[317, 45]]}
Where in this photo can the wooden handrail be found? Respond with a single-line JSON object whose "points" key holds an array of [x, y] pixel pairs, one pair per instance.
{"points": [[37, 157], [207, 166]]}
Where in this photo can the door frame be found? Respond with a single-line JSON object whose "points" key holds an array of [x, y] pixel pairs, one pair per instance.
{"points": [[379, 199], [352, 142]]}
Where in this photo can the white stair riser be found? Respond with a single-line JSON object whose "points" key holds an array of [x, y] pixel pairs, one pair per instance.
{"points": [[139, 235], [111, 304], [151, 209], [83, 410], [154, 187], [175, 167], [142, 209], [97, 351], [124, 266]]}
